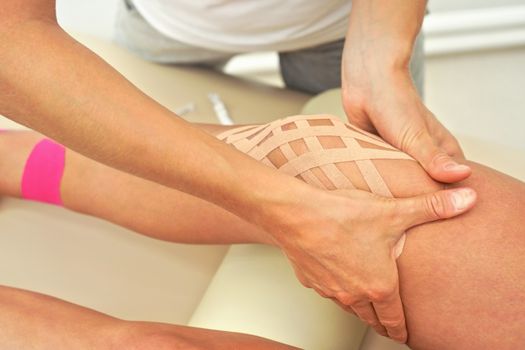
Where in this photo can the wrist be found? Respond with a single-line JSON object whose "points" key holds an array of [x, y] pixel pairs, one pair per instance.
{"points": [[383, 54], [280, 211], [384, 31]]}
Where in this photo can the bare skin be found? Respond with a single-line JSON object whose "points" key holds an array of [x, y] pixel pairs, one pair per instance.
{"points": [[456, 276], [34, 321], [463, 281]]}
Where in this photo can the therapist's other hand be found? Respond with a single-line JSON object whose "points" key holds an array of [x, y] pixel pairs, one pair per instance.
{"points": [[342, 245], [380, 97]]}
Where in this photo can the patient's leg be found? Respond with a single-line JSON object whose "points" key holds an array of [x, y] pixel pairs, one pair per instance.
{"points": [[34, 321], [462, 280]]}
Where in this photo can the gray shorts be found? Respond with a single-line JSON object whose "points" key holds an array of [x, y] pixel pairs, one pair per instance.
{"points": [[312, 70]]}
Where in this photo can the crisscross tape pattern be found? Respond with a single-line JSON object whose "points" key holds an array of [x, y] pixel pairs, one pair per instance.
{"points": [[260, 141]]}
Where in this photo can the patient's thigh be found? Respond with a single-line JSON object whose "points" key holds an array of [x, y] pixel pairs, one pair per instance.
{"points": [[463, 280]]}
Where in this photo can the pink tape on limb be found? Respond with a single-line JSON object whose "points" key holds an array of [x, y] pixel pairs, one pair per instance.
{"points": [[43, 173]]}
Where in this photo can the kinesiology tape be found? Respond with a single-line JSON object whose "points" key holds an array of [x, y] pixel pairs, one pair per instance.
{"points": [[311, 161], [43, 173]]}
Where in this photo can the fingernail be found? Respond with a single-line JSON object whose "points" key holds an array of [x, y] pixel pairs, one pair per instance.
{"points": [[463, 198], [455, 167]]}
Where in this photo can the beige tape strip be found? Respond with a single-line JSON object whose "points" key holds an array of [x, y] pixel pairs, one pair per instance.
{"points": [[260, 141]]}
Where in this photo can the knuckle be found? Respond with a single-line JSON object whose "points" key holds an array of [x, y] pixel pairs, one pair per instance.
{"points": [[380, 292], [434, 205], [411, 137], [345, 298], [440, 156]]}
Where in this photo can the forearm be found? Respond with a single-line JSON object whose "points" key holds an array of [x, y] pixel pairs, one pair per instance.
{"points": [[386, 29], [148, 208], [52, 84]]}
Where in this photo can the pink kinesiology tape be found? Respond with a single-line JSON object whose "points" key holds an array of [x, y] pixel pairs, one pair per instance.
{"points": [[43, 173]]}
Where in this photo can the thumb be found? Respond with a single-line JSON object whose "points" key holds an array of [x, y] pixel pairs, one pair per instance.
{"points": [[435, 206], [436, 162]]}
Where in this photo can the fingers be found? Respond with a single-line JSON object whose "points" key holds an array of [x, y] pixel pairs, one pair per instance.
{"points": [[437, 163], [435, 206], [343, 306], [365, 312], [390, 313]]}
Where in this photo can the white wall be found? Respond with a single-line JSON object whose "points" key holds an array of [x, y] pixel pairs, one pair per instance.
{"points": [[452, 5], [475, 67]]}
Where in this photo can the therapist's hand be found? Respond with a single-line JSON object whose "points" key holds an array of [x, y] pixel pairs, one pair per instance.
{"points": [[378, 92], [342, 245], [383, 100]]}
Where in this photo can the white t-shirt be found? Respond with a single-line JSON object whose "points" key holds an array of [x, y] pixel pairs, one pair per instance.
{"points": [[248, 25]]}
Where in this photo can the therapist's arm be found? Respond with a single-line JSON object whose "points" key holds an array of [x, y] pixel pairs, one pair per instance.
{"points": [[378, 92], [53, 84]]}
